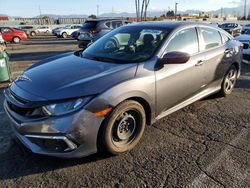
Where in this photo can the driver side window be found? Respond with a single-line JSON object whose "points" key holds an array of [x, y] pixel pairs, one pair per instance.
{"points": [[184, 41]]}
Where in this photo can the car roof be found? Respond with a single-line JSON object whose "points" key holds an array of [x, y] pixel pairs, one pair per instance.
{"points": [[104, 19], [170, 24]]}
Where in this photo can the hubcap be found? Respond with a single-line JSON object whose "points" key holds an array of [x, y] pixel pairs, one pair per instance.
{"points": [[126, 127], [230, 81]]}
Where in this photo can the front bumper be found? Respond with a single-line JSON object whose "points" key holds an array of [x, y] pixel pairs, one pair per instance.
{"points": [[70, 136]]}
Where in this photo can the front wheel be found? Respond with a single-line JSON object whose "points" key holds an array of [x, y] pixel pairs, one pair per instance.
{"points": [[229, 81], [123, 129], [16, 40], [64, 35]]}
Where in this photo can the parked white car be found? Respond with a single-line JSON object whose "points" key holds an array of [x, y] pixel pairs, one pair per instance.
{"points": [[245, 40], [44, 29], [66, 31]]}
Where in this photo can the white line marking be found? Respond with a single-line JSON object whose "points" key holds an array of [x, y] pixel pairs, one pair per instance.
{"points": [[225, 160]]}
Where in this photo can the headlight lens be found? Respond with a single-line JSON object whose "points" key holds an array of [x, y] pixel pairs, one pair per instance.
{"points": [[65, 107]]}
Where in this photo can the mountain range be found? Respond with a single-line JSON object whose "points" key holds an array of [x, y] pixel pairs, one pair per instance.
{"points": [[238, 11]]}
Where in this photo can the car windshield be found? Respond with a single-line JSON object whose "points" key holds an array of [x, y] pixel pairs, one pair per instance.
{"points": [[228, 25], [67, 27], [129, 44]]}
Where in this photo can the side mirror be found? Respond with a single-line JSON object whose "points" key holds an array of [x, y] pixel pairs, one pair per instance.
{"points": [[175, 58]]}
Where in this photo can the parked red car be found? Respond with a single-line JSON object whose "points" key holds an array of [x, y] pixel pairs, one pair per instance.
{"points": [[10, 34]]}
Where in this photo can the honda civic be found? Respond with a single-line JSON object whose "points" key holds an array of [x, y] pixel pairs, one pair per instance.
{"points": [[101, 99]]}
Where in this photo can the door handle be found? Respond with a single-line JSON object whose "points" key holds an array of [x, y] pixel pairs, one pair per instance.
{"points": [[199, 63]]}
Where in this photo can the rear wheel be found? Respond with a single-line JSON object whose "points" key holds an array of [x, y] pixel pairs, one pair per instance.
{"points": [[123, 129], [16, 40], [32, 33], [64, 35], [229, 81]]}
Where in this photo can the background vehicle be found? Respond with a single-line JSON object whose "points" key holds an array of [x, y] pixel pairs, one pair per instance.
{"points": [[245, 40], [29, 30], [245, 28], [66, 31], [73, 104], [55, 30], [232, 28], [2, 42], [94, 29], [15, 35], [44, 29]]}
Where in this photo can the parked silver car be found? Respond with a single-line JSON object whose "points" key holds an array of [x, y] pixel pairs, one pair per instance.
{"points": [[75, 104], [66, 31]]}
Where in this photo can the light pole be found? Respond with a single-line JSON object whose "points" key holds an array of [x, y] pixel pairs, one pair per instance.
{"points": [[175, 13], [245, 10], [97, 10]]}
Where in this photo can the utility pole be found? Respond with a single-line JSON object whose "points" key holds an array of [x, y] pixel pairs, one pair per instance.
{"points": [[175, 13], [221, 12], [245, 10], [40, 12], [97, 10]]}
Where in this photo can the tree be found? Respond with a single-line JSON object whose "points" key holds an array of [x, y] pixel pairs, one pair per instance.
{"points": [[141, 9], [92, 16], [170, 13]]}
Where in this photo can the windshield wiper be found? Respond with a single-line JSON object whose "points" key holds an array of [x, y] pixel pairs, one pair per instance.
{"points": [[105, 59]]}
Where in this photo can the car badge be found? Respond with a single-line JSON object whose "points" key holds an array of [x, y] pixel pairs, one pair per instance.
{"points": [[23, 78]]}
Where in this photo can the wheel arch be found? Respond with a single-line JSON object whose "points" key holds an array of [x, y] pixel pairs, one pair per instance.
{"points": [[237, 66]]}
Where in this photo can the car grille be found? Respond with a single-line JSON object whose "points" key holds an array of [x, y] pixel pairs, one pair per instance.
{"points": [[27, 112]]}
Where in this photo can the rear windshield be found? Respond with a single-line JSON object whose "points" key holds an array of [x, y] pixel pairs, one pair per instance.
{"points": [[89, 25]]}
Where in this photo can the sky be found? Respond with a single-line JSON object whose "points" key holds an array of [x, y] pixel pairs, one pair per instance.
{"points": [[30, 8]]}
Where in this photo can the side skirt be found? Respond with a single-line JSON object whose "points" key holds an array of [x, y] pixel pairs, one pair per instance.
{"points": [[202, 94]]}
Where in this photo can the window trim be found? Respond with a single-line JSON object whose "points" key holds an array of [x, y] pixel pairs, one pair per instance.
{"points": [[202, 39]]}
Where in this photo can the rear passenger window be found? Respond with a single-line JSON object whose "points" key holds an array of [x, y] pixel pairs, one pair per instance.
{"points": [[211, 38], [184, 41], [108, 24], [116, 24]]}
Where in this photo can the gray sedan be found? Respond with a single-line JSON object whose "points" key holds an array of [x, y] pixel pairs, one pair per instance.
{"points": [[75, 104]]}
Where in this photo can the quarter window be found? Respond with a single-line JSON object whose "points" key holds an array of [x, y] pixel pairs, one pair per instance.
{"points": [[211, 38], [184, 41], [225, 38]]}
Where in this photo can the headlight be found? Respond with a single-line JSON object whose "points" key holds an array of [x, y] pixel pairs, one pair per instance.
{"points": [[65, 107]]}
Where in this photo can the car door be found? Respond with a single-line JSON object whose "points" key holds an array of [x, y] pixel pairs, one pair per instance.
{"points": [[217, 53], [177, 82]]}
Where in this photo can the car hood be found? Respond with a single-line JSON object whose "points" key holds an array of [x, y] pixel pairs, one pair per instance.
{"points": [[243, 37], [70, 76]]}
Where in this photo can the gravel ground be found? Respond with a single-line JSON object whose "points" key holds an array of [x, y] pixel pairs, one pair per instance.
{"points": [[203, 145]]}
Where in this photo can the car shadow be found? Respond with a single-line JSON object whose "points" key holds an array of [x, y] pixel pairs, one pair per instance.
{"points": [[19, 161]]}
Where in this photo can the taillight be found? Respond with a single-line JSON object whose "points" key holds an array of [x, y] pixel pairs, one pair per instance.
{"points": [[94, 31], [241, 45]]}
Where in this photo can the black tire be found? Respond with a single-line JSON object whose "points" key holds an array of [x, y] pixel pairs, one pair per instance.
{"points": [[32, 33], [16, 40], [64, 35], [229, 81], [123, 128]]}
